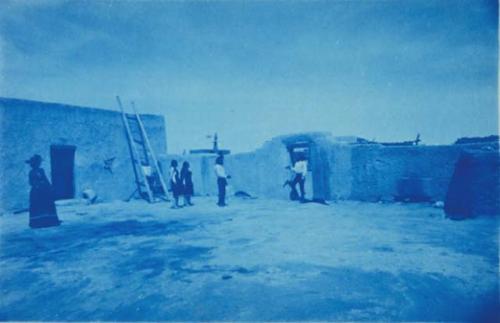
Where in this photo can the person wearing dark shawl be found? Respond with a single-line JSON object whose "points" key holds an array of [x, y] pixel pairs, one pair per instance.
{"points": [[42, 207], [187, 183]]}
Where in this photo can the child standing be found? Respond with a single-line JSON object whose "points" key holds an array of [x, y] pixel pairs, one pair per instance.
{"points": [[175, 184], [187, 183]]}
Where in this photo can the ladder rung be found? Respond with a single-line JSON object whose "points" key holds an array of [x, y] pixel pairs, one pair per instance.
{"points": [[135, 130], [139, 141]]}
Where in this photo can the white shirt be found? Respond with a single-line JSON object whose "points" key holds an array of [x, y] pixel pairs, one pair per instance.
{"points": [[219, 171], [300, 167], [172, 175]]}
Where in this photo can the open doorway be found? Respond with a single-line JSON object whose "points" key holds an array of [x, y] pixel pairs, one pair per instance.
{"points": [[296, 150], [62, 163]]}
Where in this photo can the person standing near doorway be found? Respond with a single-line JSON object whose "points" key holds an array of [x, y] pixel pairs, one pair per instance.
{"points": [[187, 183], [300, 170], [42, 208], [222, 178], [175, 184]]}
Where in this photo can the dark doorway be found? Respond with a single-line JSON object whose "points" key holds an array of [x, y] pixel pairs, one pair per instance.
{"points": [[62, 163]]}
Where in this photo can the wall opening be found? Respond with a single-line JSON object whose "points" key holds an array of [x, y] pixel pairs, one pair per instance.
{"points": [[62, 163], [296, 150]]}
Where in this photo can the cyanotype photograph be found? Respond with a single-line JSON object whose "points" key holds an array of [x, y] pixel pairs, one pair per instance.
{"points": [[249, 161]]}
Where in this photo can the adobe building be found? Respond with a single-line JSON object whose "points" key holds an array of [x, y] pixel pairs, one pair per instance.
{"points": [[87, 148], [350, 168], [82, 148]]}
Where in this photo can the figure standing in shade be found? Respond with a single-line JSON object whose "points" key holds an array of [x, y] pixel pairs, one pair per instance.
{"points": [[221, 180], [42, 209], [175, 184], [300, 170], [187, 183]]}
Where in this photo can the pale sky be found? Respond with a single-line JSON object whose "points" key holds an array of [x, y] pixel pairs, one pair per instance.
{"points": [[383, 70]]}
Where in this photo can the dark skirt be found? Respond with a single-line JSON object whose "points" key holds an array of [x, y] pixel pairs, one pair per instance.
{"points": [[176, 189], [42, 208], [188, 189]]}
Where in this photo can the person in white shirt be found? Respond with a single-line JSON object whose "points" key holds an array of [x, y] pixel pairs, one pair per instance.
{"points": [[222, 177], [300, 170], [175, 184]]}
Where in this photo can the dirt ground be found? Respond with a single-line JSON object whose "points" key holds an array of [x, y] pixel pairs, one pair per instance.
{"points": [[254, 260]]}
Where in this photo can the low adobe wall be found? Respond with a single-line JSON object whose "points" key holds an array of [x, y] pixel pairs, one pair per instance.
{"points": [[400, 172], [391, 173], [340, 170], [259, 173]]}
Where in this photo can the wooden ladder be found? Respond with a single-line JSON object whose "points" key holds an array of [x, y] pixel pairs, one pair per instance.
{"points": [[148, 175]]}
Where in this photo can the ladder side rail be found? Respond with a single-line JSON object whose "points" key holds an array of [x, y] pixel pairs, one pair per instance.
{"points": [[141, 142], [135, 155], [153, 157]]}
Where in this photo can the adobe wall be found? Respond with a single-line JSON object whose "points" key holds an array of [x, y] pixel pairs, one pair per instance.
{"points": [[340, 170], [337, 171], [30, 127], [259, 173], [390, 173]]}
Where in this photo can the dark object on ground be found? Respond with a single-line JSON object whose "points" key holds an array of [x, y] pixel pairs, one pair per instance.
{"points": [[20, 211], [244, 195], [474, 186], [319, 201]]}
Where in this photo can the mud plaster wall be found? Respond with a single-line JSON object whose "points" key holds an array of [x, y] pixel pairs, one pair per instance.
{"points": [[384, 173], [340, 170], [259, 173], [337, 171], [29, 127]]}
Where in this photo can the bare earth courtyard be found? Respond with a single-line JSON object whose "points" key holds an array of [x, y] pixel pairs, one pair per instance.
{"points": [[254, 260]]}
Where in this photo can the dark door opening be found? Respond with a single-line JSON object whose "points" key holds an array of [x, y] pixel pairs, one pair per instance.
{"points": [[62, 163]]}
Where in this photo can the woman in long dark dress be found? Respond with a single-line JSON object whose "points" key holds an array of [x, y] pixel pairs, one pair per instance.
{"points": [[42, 207], [187, 183]]}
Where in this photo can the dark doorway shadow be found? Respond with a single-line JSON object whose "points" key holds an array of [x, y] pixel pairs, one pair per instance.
{"points": [[62, 162]]}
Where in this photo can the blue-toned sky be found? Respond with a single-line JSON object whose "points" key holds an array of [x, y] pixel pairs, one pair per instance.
{"points": [[382, 70]]}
